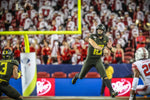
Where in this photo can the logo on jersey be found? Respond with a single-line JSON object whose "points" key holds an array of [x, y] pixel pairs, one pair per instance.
{"points": [[43, 86], [122, 86]]}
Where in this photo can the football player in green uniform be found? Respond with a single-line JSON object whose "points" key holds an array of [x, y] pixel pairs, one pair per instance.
{"points": [[9, 67], [97, 43]]}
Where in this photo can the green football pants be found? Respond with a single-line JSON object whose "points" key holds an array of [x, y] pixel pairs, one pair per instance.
{"points": [[89, 63]]}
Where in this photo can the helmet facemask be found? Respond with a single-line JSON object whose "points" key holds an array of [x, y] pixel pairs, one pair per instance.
{"points": [[100, 32]]}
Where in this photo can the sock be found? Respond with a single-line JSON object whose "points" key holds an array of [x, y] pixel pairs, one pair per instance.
{"points": [[77, 75], [108, 84]]}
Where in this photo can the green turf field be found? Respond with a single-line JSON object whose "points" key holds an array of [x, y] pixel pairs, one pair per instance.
{"points": [[76, 98]]}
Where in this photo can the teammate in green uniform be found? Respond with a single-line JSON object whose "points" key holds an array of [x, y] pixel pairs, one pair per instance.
{"points": [[97, 43], [9, 67]]}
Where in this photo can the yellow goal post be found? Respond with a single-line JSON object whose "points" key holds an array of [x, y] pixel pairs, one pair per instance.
{"points": [[26, 33]]}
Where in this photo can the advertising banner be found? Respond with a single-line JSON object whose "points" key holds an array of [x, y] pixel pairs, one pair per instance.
{"points": [[84, 87], [45, 87], [29, 73], [122, 85]]}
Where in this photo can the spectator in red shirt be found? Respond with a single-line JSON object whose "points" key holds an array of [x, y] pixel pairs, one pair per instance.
{"points": [[17, 52], [107, 56], [77, 44], [46, 52], [53, 28], [32, 47], [119, 54], [66, 54], [38, 52], [140, 40], [84, 48], [77, 57], [8, 46]]}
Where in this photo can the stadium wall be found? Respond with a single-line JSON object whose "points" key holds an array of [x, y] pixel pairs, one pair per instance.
{"points": [[120, 70], [84, 87]]}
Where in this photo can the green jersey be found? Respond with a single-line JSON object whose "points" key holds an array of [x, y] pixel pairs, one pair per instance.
{"points": [[6, 69], [95, 53]]}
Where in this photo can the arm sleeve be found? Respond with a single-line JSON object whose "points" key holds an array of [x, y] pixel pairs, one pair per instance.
{"points": [[135, 83], [92, 36]]}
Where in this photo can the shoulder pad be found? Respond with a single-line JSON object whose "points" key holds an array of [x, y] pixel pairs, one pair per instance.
{"points": [[15, 62]]}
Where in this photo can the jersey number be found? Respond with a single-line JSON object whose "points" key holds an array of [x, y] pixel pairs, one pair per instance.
{"points": [[146, 69], [3, 68], [98, 52]]}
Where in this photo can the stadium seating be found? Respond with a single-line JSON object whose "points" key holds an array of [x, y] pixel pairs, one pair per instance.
{"points": [[146, 34], [128, 49], [59, 75], [92, 75], [128, 59], [43, 75], [72, 74], [129, 53]]}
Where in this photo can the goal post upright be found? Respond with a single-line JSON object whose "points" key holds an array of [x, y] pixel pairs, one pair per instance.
{"points": [[26, 33]]}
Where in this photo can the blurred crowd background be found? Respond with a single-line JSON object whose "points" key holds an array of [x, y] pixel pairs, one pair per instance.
{"points": [[127, 23]]}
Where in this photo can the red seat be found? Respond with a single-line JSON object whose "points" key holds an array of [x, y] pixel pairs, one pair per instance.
{"points": [[129, 53], [59, 75], [146, 34], [127, 61], [43, 75], [128, 49], [92, 75], [127, 57], [72, 74]]}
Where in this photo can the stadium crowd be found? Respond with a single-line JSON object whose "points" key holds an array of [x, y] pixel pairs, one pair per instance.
{"points": [[127, 23]]}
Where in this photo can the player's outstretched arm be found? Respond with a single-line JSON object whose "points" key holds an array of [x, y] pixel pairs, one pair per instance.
{"points": [[15, 72], [94, 44]]}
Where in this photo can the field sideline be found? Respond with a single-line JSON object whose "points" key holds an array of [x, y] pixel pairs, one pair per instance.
{"points": [[76, 98]]}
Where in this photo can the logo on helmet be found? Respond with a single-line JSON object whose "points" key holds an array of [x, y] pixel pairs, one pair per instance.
{"points": [[7, 54]]}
